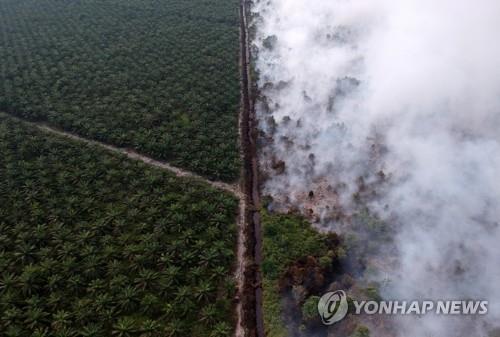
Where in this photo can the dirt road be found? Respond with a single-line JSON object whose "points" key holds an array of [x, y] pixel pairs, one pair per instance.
{"points": [[251, 321]]}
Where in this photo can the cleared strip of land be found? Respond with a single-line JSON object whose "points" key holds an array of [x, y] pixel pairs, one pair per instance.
{"points": [[232, 188]]}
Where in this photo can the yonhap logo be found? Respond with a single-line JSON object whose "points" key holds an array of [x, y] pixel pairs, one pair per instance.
{"points": [[332, 307]]}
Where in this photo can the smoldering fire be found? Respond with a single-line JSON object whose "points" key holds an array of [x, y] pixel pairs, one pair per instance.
{"points": [[408, 90]]}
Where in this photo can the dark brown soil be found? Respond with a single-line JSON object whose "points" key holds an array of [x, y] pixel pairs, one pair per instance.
{"points": [[253, 320]]}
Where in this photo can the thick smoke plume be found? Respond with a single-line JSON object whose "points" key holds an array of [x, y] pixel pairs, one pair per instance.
{"points": [[393, 105]]}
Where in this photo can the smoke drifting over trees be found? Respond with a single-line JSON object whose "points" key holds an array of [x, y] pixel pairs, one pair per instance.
{"points": [[392, 106]]}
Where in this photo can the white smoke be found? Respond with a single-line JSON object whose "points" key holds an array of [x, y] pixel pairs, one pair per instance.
{"points": [[410, 88]]}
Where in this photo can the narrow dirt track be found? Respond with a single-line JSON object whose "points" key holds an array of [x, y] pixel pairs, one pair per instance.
{"points": [[250, 287], [241, 265], [233, 189]]}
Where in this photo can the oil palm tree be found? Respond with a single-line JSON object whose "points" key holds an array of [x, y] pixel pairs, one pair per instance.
{"points": [[91, 330], [127, 299], [209, 313], [204, 291], [150, 328], [35, 317], [14, 330], [146, 279], [61, 319], [175, 328], [8, 281], [221, 329], [125, 327]]}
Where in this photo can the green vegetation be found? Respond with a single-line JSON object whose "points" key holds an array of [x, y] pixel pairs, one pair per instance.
{"points": [[310, 308], [361, 331], [157, 76], [373, 292], [94, 244], [286, 239]]}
